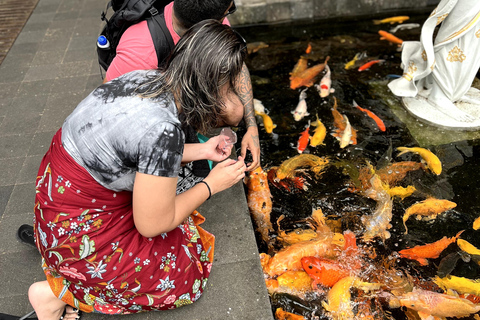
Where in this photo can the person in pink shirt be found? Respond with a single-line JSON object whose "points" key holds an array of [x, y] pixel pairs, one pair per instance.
{"points": [[136, 51]]}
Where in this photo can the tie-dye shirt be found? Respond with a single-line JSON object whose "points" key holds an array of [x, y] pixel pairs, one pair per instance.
{"points": [[113, 133]]}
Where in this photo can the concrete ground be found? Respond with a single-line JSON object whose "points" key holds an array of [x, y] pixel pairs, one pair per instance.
{"points": [[50, 68]]}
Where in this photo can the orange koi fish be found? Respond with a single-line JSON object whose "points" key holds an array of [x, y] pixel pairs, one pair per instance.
{"points": [[430, 250], [281, 314], [429, 208], [309, 48], [384, 35], [306, 78], [289, 258], [367, 65], [476, 223], [325, 272], [253, 47], [289, 184], [303, 140], [300, 66], [287, 168], [432, 161], [296, 283], [392, 20], [259, 200], [372, 115], [319, 135], [433, 305]]}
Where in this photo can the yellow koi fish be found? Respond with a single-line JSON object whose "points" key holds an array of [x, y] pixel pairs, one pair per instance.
{"points": [[468, 247], [392, 20], [267, 122], [459, 284], [432, 161], [429, 208], [319, 134], [401, 192], [350, 64], [476, 223]]}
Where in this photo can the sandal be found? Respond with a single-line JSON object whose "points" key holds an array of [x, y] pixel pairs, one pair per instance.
{"points": [[79, 313], [26, 235]]}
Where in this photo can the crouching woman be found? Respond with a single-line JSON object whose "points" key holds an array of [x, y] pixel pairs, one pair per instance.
{"points": [[114, 236]]}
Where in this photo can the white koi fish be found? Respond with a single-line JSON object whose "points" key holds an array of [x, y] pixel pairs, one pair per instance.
{"points": [[301, 109], [404, 27], [346, 137], [258, 106], [324, 88]]}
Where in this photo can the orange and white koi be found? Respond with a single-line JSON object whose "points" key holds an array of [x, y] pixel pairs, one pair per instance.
{"points": [[372, 115], [392, 20], [303, 140], [301, 110], [367, 65], [433, 305], [429, 208], [430, 250], [432, 161], [384, 35], [306, 78], [341, 125], [259, 200], [320, 133], [267, 122], [325, 86]]}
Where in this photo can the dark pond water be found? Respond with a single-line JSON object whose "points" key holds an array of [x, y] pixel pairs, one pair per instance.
{"points": [[341, 40]]}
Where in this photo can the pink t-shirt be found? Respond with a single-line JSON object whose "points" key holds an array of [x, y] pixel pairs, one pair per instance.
{"points": [[136, 51]]}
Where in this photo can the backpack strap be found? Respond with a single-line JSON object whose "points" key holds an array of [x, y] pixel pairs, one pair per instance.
{"points": [[162, 39]]}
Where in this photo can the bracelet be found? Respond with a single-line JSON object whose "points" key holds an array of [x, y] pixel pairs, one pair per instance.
{"points": [[208, 187]]}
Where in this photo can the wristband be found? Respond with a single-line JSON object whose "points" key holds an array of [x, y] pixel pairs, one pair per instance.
{"points": [[208, 187]]}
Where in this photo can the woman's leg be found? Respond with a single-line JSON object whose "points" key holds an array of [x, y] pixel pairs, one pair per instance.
{"points": [[47, 306]]}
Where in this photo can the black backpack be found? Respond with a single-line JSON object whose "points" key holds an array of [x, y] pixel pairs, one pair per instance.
{"points": [[127, 13]]}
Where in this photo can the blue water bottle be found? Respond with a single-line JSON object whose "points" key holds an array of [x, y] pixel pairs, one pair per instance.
{"points": [[103, 43]]}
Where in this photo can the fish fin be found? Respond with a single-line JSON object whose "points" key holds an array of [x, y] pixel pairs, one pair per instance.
{"points": [[402, 150], [422, 261], [332, 90], [274, 126]]}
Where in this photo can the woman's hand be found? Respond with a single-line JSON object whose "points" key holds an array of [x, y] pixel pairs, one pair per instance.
{"points": [[215, 154], [226, 174]]}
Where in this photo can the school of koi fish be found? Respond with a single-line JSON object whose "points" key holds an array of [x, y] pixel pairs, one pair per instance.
{"points": [[334, 219]]}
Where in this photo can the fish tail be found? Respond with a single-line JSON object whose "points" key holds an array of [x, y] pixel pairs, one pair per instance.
{"points": [[377, 21], [458, 234], [403, 150]]}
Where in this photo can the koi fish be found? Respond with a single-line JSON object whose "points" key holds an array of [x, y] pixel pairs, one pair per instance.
{"points": [[430, 250], [367, 65], [324, 88], [289, 258], [325, 272], [346, 137], [448, 263], [404, 26], [303, 140], [459, 284], [432, 161], [433, 305], [309, 48], [288, 183], [401, 192], [253, 47], [429, 208], [267, 122], [296, 283], [476, 223], [372, 115], [287, 168], [468, 247], [259, 200], [301, 110], [281, 314], [392, 20], [340, 123], [320, 133], [358, 56], [384, 35], [300, 66], [339, 303], [258, 106], [306, 78]]}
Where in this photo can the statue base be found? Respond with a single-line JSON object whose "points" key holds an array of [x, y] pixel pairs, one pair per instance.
{"points": [[420, 108]]}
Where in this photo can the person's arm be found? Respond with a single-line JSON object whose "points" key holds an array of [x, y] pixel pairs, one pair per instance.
{"points": [[205, 151], [156, 207], [250, 140]]}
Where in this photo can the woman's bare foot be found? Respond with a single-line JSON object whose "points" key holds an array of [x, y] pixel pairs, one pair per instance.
{"points": [[47, 306]]}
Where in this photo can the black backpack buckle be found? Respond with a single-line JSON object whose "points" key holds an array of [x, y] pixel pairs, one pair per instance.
{"points": [[153, 11]]}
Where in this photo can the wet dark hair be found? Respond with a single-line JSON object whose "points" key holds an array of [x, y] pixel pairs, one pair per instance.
{"points": [[190, 12], [207, 57]]}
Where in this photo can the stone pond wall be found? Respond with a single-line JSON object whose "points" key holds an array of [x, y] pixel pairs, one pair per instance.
{"points": [[251, 12]]}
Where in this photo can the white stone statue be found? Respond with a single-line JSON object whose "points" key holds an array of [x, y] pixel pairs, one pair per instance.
{"points": [[437, 78]]}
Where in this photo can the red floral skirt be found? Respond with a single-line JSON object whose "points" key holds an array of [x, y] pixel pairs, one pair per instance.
{"points": [[93, 256]]}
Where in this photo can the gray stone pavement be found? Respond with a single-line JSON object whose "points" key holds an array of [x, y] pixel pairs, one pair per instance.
{"points": [[50, 68]]}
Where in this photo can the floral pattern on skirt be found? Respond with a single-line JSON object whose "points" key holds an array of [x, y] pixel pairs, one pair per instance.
{"points": [[93, 256]]}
